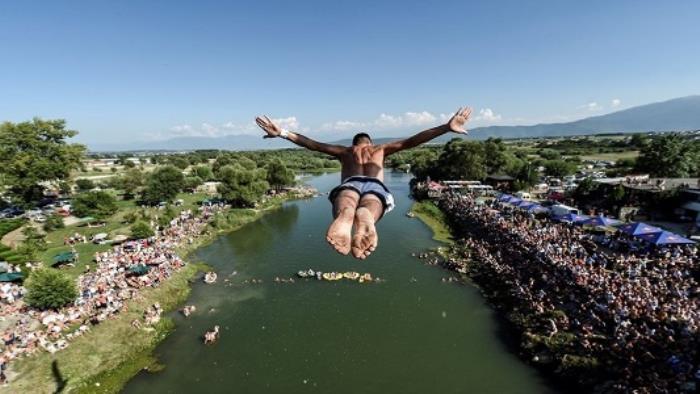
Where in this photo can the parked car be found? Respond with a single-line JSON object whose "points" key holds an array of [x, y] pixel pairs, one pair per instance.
{"points": [[561, 210], [39, 218], [12, 212]]}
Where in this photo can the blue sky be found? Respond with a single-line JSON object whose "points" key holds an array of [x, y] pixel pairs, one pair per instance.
{"points": [[135, 70]]}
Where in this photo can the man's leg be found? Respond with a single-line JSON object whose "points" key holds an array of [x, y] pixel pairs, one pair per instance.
{"points": [[369, 211], [339, 233]]}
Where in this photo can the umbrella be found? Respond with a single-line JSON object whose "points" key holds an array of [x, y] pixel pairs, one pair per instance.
{"points": [[665, 238], [638, 228], [571, 218], [514, 201], [601, 221]]}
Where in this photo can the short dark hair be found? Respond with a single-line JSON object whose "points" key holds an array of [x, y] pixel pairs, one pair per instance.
{"points": [[356, 139]]}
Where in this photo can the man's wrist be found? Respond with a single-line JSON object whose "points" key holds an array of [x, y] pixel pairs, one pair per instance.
{"points": [[284, 134], [445, 128]]}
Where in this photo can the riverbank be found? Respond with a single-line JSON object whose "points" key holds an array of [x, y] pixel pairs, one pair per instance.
{"points": [[434, 218], [111, 353]]}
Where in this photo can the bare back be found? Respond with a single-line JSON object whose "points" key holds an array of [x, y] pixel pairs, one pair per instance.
{"points": [[363, 159]]}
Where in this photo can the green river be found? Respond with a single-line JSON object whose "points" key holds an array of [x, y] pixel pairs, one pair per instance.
{"points": [[411, 334]]}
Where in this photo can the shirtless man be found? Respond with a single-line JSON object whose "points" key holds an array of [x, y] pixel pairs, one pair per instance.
{"points": [[362, 198]]}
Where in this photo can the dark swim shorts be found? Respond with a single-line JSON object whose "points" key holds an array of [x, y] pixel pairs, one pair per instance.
{"points": [[366, 185]]}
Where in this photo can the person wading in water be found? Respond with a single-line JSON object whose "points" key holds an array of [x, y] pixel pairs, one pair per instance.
{"points": [[362, 198]]}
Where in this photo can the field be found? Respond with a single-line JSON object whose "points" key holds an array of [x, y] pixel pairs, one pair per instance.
{"points": [[614, 156]]}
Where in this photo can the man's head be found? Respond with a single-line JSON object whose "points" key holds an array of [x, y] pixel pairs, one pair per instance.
{"points": [[361, 138]]}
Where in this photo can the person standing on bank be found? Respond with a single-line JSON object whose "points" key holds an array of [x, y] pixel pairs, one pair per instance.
{"points": [[361, 199]]}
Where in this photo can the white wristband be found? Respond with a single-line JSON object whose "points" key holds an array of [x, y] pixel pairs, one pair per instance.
{"points": [[284, 133]]}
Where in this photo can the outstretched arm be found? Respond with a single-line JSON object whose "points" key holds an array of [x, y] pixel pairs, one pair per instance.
{"points": [[455, 125], [274, 131]]}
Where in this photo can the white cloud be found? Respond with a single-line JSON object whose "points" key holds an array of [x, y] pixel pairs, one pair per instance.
{"points": [[418, 118], [209, 129], [487, 115], [615, 103], [343, 125], [592, 106], [388, 121], [289, 123]]}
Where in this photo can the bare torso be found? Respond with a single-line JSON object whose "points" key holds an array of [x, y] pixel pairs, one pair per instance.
{"points": [[365, 159]]}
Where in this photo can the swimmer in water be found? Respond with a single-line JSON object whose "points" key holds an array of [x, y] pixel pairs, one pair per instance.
{"points": [[362, 199]]}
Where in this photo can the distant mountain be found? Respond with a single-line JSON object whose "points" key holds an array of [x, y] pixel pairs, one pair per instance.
{"points": [[672, 115]]}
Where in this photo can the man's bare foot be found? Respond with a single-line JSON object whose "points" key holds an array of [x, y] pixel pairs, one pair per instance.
{"points": [[364, 242], [339, 233]]}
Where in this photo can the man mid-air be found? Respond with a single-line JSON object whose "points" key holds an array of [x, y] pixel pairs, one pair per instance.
{"points": [[362, 198]]}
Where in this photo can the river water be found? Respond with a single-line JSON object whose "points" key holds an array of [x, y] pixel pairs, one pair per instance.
{"points": [[410, 334]]}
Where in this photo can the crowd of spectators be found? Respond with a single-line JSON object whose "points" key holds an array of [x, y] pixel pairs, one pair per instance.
{"points": [[102, 292], [631, 308]]}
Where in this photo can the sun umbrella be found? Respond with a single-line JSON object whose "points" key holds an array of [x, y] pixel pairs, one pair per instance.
{"points": [[572, 218], [601, 221], [665, 238], [638, 228]]}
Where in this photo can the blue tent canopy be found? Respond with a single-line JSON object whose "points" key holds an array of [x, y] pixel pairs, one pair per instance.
{"points": [[571, 218], [665, 238], [535, 207], [525, 204], [601, 221], [514, 201], [504, 197], [639, 228]]}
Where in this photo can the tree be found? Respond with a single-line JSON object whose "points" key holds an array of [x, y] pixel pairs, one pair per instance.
{"points": [[639, 140], [670, 155], [84, 184], [53, 222], [191, 183], [130, 182], [65, 188], [34, 242], [141, 230], [559, 168], [495, 155], [460, 160], [278, 175], [163, 185], [240, 186], [204, 172], [50, 289], [36, 151], [98, 204], [180, 162], [549, 154]]}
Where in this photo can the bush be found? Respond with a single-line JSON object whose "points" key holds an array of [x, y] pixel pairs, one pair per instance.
{"points": [[85, 184], [50, 289], [98, 204], [141, 230], [53, 222]]}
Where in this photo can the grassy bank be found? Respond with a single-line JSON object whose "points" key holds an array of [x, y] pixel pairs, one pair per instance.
{"points": [[432, 216], [107, 357]]}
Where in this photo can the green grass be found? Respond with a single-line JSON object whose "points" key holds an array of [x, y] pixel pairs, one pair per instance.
{"points": [[432, 216], [632, 154]]}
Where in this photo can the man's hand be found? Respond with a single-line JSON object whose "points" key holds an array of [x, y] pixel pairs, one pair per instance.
{"points": [[457, 122], [272, 130]]}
